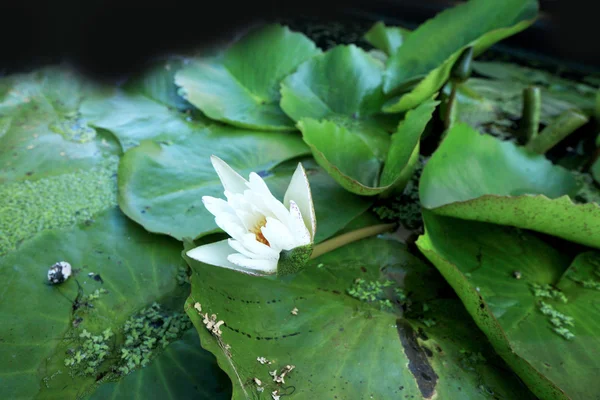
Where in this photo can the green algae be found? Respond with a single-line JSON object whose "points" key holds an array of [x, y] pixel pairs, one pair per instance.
{"points": [[55, 202]]}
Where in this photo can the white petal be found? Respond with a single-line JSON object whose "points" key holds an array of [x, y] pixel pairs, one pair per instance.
{"points": [[231, 225], [239, 247], [249, 241], [217, 206], [297, 225], [265, 266], [231, 180], [299, 191], [213, 254], [258, 185], [278, 235]]}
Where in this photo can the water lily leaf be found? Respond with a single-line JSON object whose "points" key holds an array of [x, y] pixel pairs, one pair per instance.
{"points": [[364, 177], [135, 117], [556, 91], [241, 88], [513, 285], [347, 116], [423, 63], [386, 38], [494, 106], [55, 169], [182, 371], [161, 186], [41, 130], [477, 177], [319, 90], [118, 269], [158, 83], [337, 343]]}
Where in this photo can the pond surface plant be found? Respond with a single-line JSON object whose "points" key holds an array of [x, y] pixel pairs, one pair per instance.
{"points": [[306, 213]]}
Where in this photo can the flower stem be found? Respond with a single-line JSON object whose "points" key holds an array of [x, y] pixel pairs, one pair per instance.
{"points": [[346, 238]]}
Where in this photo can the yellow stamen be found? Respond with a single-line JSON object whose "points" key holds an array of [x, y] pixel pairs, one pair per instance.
{"points": [[258, 233]]}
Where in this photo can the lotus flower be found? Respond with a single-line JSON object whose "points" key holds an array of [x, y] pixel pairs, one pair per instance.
{"points": [[267, 236]]}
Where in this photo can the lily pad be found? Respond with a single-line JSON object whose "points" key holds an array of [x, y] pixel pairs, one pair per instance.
{"points": [[182, 371], [477, 177], [540, 320], [157, 82], [495, 106], [56, 170], [386, 38], [556, 91], [118, 269], [161, 186], [241, 87], [316, 322], [42, 133], [319, 90], [135, 117], [348, 117], [368, 177], [423, 63]]}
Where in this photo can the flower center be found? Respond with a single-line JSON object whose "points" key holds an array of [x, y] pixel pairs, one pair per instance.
{"points": [[258, 233]]}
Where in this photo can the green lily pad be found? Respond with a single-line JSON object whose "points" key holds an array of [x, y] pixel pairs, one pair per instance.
{"points": [[161, 186], [386, 38], [158, 83], [423, 63], [556, 91], [494, 105], [135, 117], [513, 285], [182, 371], [322, 322], [56, 170], [42, 133], [118, 269], [319, 90], [477, 177], [241, 87], [348, 117], [182, 173], [367, 177]]}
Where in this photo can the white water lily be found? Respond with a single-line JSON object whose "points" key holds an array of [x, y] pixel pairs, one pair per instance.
{"points": [[266, 234]]}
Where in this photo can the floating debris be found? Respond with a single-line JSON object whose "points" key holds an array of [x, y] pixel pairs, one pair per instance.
{"points": [[548, 292], [59, 272], [263, 360], [517, 274], [280, 378], [212, 325]]}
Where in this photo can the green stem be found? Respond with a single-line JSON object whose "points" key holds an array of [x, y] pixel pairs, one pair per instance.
{"points": [[450, 113], [532, 109], [346, 238], [565, 124]]}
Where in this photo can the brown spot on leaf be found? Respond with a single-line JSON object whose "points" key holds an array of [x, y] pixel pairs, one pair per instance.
{"points": [[418, 364]]}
